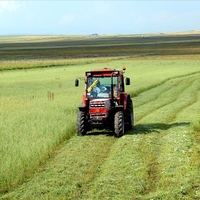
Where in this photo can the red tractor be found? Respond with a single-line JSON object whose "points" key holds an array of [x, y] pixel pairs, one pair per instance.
{"points": [[105, 104]]}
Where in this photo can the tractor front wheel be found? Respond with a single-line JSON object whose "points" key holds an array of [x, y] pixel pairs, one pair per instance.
{"points": [[81, 124], [119, 123]]}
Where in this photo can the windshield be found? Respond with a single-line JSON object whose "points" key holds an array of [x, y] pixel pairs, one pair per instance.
{"points": [[100, 87]]}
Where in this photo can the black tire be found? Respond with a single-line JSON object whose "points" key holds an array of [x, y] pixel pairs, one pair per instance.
{"points": [[129, 115], [81, 124], [119, 124]]}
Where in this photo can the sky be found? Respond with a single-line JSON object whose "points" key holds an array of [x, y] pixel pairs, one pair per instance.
{"points": [[54, 17]]}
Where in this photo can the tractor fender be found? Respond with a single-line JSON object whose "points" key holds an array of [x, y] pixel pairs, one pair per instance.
{"points": [[84, 100], [124, 97], [119, 108], [82, 108]]}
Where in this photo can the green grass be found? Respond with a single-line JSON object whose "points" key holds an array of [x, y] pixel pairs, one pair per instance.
{"points": [[35, 125], [30, 126], [42, 159]]}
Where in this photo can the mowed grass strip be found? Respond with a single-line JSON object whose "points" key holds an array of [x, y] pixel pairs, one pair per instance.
{"points": [[37, 114], [28, 139], [66, 176], [158, 162], [166, 98]]}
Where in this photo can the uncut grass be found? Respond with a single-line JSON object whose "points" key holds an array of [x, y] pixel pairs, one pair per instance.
{"points": [[123, 152], [32, 122], [47, 63]]}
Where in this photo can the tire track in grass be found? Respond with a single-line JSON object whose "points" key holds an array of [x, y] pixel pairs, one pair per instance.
{"points": [[194, 107], [187, 98], [152, 106], [182, 101], [141, 90], [168, 84], [161, 89]]}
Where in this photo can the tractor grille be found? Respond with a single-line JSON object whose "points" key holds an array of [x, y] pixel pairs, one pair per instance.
{"points": [[99, 109], [97, 104]]}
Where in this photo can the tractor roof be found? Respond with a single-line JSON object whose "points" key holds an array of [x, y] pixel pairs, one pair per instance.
{"points": [[104, 70]]}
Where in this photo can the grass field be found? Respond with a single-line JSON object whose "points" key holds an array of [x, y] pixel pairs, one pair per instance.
{"points": [[41, 158]]}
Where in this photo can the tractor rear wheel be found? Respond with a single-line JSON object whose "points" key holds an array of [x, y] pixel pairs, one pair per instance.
{"points": [[129, 114], [81, 124], [119, 123]]}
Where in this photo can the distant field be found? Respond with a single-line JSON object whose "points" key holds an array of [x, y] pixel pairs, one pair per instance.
{"points": [[44, 51], [41, 158]]}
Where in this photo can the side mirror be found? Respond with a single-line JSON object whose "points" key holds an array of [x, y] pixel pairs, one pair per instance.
{"points": [[76, 82], [128, 81]]}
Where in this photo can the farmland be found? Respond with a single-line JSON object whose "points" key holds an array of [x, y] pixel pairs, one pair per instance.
{"points": [[42, 158]]}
